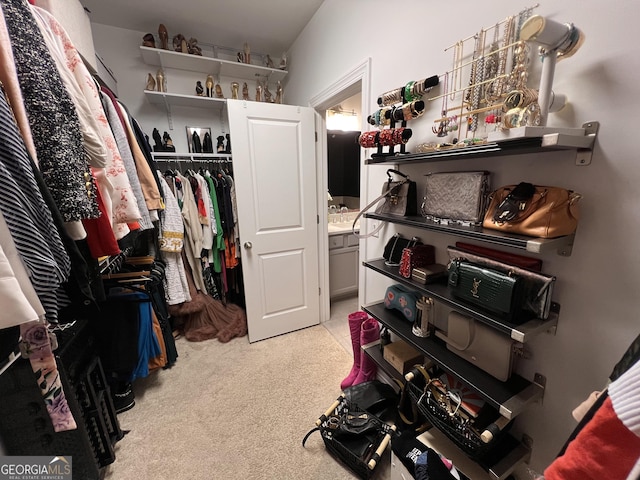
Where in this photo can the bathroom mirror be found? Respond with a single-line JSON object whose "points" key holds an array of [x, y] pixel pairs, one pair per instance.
{"points": [[343, 156]]}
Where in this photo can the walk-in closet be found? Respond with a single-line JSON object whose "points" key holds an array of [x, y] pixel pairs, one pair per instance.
{"points": [[318, 240]]}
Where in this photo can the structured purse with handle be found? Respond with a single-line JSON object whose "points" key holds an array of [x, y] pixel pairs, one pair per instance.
{"points": [[397, 198], [457, 197], [489, 289], [479, 344], [537, 287], [533, 210]]}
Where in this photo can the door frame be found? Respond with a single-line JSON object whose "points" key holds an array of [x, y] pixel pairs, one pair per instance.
{"points": [[356, 79]]}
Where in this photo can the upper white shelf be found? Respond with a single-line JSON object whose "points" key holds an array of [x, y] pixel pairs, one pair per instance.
{"points": [[208, 65], [181, 100]]}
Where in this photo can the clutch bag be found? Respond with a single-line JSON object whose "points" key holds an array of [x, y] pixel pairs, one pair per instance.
{"points": [[458, 197], [537, 287], [402, 299], [489, 289], [480, 345]]}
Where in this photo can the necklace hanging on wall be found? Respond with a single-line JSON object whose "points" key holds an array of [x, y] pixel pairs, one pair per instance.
{"points": [[441, 129]]}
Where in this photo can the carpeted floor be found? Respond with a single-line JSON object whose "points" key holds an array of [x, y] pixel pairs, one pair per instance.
{"points": [[236, 411]]}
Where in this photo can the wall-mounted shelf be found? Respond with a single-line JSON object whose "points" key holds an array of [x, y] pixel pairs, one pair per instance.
{"points": [[169, 100], [519, 141], [562, 245], [441, 292], [510, 397], [210, 66]]}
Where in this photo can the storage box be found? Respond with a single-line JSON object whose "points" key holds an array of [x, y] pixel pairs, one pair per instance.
{"points": [[402, 356]]}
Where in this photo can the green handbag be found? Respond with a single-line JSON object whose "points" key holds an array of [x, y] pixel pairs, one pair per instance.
{"points": [[489, 289]]}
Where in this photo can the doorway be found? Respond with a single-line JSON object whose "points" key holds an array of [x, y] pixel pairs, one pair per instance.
{"points": [[354, 83]]}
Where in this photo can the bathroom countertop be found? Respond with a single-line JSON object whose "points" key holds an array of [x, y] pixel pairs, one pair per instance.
{"points": [[341, 228]]}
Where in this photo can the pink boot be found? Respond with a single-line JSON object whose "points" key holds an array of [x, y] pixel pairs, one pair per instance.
{"points": [[370, 332], [355, 322]]}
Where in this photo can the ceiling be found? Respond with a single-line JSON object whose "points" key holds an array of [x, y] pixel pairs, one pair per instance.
{"points": [[268, 26]]}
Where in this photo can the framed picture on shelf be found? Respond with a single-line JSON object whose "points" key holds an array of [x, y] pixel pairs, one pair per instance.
{"points": [[199, 140]]}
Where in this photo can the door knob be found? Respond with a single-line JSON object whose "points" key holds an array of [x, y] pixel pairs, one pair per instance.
{"points": [[248, 245]]}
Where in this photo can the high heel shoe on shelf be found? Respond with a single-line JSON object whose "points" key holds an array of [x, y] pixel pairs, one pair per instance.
{"points": [[180, 44], [149, 41], [209, 84], [164, 37], [151, 82], [168, 143], [160, 85], [194, 48]]}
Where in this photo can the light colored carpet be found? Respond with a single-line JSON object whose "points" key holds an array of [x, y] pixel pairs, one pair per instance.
{"points": [[236, 411]]}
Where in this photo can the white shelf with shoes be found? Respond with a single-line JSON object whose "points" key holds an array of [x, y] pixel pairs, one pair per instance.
{"points": [[208, 65], [169, 100]]}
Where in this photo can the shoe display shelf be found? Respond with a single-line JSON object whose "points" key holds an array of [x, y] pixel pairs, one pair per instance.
{"points": [[216, 67]]}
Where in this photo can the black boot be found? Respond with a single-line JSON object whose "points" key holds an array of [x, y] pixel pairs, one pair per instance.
{"points": [[207, 144], [197, 145]]}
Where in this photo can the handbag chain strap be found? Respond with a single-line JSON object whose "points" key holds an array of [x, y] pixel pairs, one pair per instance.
{"points": [[374, 202]]}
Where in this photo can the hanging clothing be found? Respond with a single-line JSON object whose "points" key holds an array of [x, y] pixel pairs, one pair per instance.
{"points": [[218, 242], [9, 79], [171, 245], [145, 174], [123, 161], [193, 233], [18, 298], [67, 60], [204, 318], [37, 344], [52, 116], [28, 217]]}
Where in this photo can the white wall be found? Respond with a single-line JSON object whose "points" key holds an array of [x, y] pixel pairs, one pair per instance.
{"points": [[597, 284]]}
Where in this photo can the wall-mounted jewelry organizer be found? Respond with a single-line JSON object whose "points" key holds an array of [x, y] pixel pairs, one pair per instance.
{"points": [[412, 106]]}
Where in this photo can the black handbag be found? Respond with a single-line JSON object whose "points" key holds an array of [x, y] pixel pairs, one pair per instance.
{"points": [[397, 198], [489, 289], [353, 436], [395, 245]]}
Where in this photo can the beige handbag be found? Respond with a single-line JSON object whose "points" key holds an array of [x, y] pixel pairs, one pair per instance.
{"points": [[480, 344]]}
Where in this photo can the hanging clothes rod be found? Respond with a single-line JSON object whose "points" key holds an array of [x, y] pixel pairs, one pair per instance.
{"points": [[194, 160]]}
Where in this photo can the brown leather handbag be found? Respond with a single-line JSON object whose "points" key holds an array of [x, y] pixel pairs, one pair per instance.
{"points": [[533, 210]]}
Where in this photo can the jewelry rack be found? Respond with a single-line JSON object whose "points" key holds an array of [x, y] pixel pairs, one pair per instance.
{"points": [[495, 66]]}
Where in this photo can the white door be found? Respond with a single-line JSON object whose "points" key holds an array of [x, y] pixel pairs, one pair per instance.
{"points": [[274, 168]]}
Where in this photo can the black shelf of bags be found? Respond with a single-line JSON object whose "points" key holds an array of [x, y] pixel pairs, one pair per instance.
{"points": [[441, 292], [531, 244], [510, 397]]}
